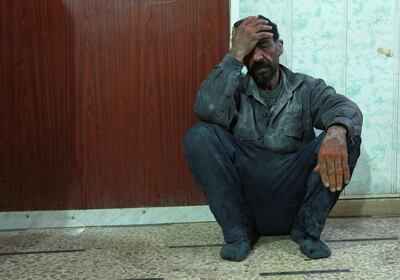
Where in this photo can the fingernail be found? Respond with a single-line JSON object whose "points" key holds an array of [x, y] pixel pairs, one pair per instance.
{"points": [[326, 184], [338, 188]]}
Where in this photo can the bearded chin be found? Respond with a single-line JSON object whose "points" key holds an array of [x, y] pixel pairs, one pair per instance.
{"points": [[263, 79]]}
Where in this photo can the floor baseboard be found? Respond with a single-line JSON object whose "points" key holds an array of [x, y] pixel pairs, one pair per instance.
{"points": [[366, 207], [358, 207]]}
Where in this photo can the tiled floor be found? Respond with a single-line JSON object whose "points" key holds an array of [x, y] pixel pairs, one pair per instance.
{"points": [[159, 252]]}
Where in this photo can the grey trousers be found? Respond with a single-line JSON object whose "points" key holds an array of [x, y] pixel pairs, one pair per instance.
{"points": [[252, 191]]}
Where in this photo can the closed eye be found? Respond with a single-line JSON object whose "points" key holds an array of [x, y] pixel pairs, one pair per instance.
{"points": [[263, 44]]}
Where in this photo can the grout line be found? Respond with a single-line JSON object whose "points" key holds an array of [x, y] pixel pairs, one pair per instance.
{"points": [[344, 44], [42, 252], [362, 239], [327, 240], [289, 61], [345, 12], [194, 246], [304, 272], [143, 279], [396, 92]]}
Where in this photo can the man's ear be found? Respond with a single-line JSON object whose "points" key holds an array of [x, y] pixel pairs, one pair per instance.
{"points": [[280, 46]]}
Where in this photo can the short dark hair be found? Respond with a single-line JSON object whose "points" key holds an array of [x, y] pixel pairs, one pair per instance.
{"points": [[274, 30]]}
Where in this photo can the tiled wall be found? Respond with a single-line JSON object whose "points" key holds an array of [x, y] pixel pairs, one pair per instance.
{"points": [[354, 45]]}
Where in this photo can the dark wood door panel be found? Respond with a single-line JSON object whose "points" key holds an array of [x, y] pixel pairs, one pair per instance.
{"points": [[38, 140], [97, 98]]}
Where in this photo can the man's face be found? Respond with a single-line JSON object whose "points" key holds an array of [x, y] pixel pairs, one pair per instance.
{"points": [[263, 61]]}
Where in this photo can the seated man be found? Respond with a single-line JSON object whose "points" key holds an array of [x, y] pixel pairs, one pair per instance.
{"points": [[255, 154]]}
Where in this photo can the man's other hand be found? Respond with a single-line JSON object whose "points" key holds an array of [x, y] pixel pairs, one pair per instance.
{"points": [[332, 159], [246, 36]]}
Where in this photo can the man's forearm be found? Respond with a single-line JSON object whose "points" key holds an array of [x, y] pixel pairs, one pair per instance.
{"points": [[215, 101]]}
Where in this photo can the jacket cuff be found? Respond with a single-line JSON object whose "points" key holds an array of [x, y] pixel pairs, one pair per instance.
{"points": [[231, 63]]}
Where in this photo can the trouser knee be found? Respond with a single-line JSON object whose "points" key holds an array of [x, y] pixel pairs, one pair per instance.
{"points": [[198, 137]]}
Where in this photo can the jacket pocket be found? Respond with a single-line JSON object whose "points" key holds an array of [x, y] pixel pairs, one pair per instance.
{"points": [[294, 129], [247, 135], [246, 131]]}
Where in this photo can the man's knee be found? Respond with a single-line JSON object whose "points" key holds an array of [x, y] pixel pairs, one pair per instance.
{"points": [[198, 136]]}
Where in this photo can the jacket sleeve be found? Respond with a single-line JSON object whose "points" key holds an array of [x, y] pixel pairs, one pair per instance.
{"points": [[216, 99], [329, 108]]}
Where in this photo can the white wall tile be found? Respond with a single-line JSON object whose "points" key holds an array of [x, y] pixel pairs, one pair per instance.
{"points": [[338, 41]]}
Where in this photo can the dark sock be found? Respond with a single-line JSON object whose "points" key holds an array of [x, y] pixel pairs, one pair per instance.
{"points": [[236, 251], [309, 246]]}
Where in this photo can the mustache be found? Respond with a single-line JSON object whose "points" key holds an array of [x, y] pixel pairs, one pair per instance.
{"points": [[260, 65]]}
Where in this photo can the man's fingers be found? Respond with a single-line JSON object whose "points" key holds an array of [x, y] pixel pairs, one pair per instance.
{"points": [[262, 21], [263, 35], [331, 174], [316, 169], [254, 21], [262, 27], [254, 27], [346, 170], [339, 174], [323, 172], [250, 21]]}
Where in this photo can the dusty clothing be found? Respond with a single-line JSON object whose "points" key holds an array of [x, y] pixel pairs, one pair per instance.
{"points": [[232, 100], [252, 191], [257, 173]]}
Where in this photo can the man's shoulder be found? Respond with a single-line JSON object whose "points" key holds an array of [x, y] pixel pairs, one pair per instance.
{"points": [[297, 75], [296, 78]]}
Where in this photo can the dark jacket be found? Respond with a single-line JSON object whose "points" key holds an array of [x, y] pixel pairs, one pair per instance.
{"points": [[229, 98]]}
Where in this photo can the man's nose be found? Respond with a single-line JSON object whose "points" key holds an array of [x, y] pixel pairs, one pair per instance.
{"points": [[257, 54]]}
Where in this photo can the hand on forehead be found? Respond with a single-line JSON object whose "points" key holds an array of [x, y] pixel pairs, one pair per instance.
{"points": [[247, 32], [251, 20]]}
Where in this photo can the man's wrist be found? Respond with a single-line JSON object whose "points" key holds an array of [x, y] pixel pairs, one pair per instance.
{"points": [[337, 128], [237, 54]]}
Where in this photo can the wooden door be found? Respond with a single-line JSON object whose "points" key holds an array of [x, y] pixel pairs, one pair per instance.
{"points": [[96, 96]]}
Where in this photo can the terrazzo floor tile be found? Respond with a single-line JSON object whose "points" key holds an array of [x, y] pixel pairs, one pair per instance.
{"points": [[362, 248]]}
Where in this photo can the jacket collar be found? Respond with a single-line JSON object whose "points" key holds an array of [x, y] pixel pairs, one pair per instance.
{"points": [[292, 82]]}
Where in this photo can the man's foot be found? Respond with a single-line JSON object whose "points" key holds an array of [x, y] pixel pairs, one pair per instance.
{"points": [[236, 251], [309, 246]]}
